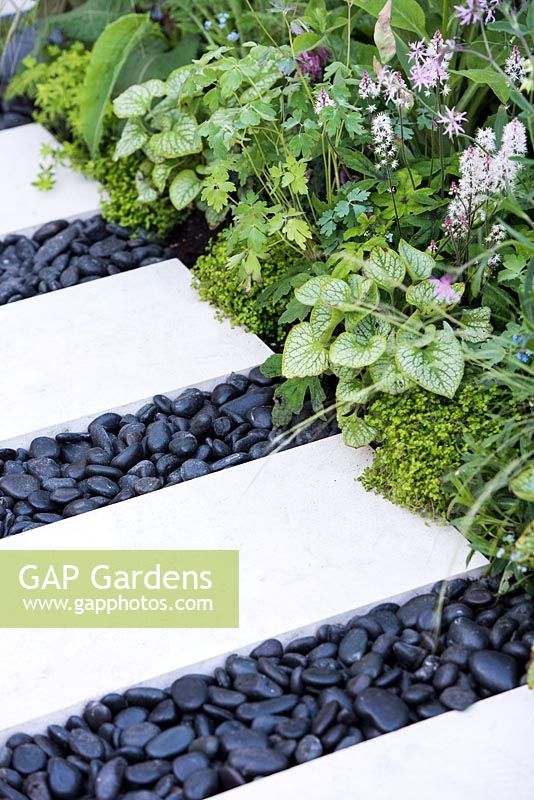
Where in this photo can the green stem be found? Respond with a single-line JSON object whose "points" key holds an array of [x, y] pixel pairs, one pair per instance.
{"points": [[403, 151], [445, 18]]}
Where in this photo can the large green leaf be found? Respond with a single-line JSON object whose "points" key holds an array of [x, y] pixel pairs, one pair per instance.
{"points": [[407, 14], [356, 432], [182, 140], [438, 366], [523, 484], [303, 354], [107, 58], [88, 21], [309, 292], [476, 322], [133, 137], [488, 77], [418, 264], [153, 59], [348, 351], [386, 268], [423, 296], [136, 100], [184, 188]]}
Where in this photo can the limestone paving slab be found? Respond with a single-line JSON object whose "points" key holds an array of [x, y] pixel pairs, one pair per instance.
{"points": [[99, 345], [484, 752], [10, 7], [312, 542], [24, 207]]}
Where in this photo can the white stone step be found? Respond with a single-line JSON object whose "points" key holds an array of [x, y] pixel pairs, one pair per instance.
{"points": [[23, 207], [313, 544], [79, 351], [484, 752], [11, 7]]}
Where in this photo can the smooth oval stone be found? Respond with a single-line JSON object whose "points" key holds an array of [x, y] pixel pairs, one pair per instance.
{"points": [[445, 676], [257, 687], [293, 728], [370, 664], [96, 714], [418, 693], [431, 709], [309, 748], [108, 781], [189, 693], [225, 698], [353, 646], [28, 758], [86, 744], [170, 743], [239, 739], [409, 611], [270, 648], [19, 486], [147, 485], [194, 468], [319, 677], [409, 656], [65, 495], [102, 486], [44, 447], [128, 457], [186, 765], [147, 772], [383, 710], [127, 717], [278, 705], [145, 696], [139, 735], [5, 756], [36, 786], [43, 468], [165, 713], [11, 777], [457, 698], [81, 506], [188, 403], [201, 784], [233, 460], [64, 779], [468, 634], [498, 672], [158, 436], [254, 762], [223, 393], [241, 405]]}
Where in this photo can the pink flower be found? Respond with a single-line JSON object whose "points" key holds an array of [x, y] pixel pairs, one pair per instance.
{"points": [[432, 247], [310, 63], [452, 121], [323, 100], [474, 11], [443, 289]]}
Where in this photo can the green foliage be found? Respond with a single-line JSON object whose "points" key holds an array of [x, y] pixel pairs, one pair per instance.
{"points": [[120, 201], [88, 21], [108, 56], [423, 437], [55, 86], [220, 286]]}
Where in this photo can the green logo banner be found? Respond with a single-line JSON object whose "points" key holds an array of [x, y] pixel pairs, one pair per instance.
{"points": [[119, 589]]}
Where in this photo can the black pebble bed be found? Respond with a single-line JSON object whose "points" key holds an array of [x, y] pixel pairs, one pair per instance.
{"points": [[15, 112], [282, 706], [62, 254], [166, 442]]}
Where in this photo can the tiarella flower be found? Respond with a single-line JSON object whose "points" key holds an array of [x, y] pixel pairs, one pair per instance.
{"points": [[432, 247], [394, 89], [484, 173], [430, 63], [311, 62], [515, 68], [474, 11], [383, 140], [443, 289], [323, 100], [496, 235], [368, 88], [452, 121]]}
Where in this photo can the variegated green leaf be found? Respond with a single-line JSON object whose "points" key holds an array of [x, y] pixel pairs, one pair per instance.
{"points": [[523, 484], [182, 140], [420, 265], [423, 296], [356, 432], [336, 293], [308, 294], [324, 319], [347, 351], [136, 100], [133, 137], [303, 354], [184, 188], [386, 268], [438, 366], [476, 322]]}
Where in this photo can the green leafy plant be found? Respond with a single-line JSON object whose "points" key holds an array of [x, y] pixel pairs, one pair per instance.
{"points": [[220, 286]]}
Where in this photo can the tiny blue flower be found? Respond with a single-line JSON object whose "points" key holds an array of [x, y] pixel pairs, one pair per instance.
{"points": [[207, 24], [223, 19], [500, 552], [517, 338], [233, 36]]}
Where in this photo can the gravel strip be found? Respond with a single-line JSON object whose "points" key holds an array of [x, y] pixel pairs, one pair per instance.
{"points": [[62, 254], [164, 443], [282, 706]]}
